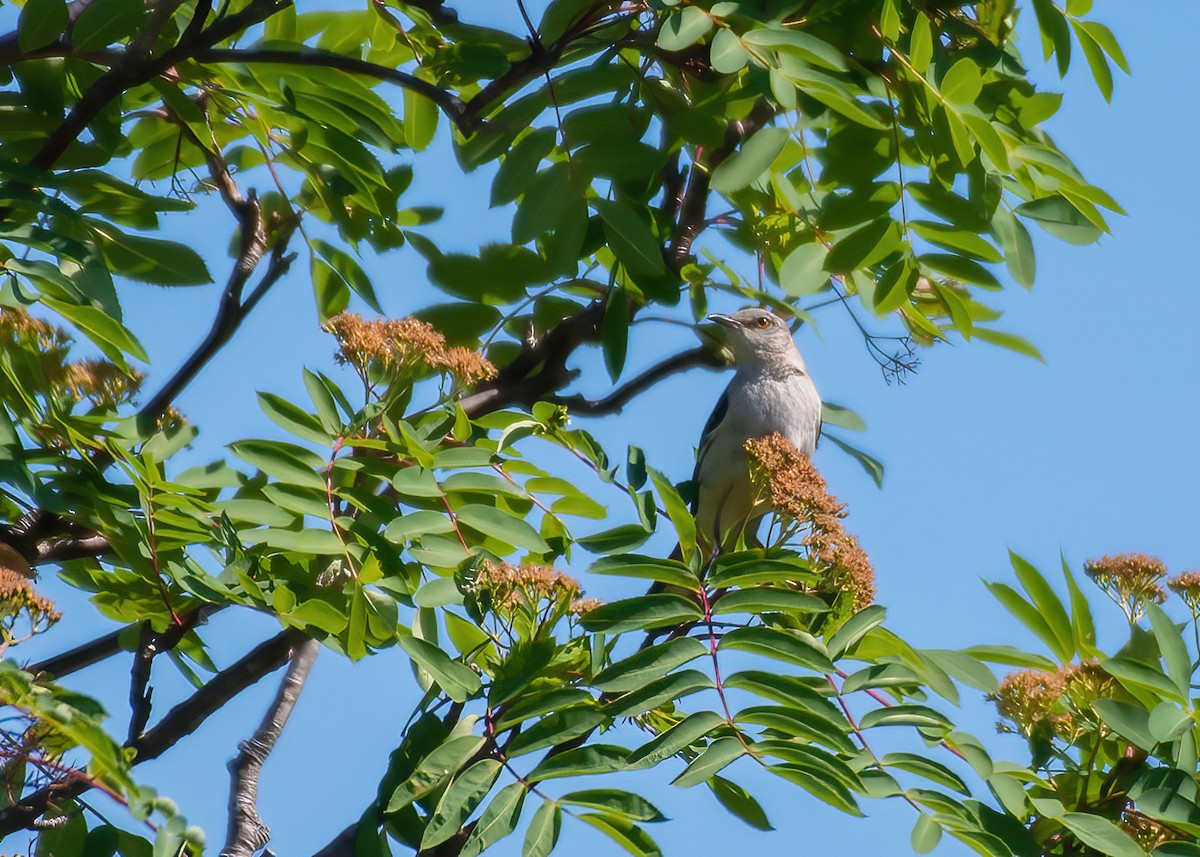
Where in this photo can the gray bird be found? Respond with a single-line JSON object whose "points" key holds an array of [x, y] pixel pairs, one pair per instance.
{"points": [[771, 391]]}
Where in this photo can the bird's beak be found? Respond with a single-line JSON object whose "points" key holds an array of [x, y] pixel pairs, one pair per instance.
{"points": [[724, 320]]}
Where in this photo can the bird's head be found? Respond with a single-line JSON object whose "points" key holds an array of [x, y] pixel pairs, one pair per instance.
{"points": [[756, 335]]}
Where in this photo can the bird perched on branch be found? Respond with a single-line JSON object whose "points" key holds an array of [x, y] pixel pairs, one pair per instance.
{"points": [[771, 391]]}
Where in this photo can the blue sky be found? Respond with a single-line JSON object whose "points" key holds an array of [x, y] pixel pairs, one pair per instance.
{"points": [[1092, 452]]}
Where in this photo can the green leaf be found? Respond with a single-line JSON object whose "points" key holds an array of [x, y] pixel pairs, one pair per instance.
{"points": [[962, 83], [1031, 618], [761, 599], [417, 524], [750, 161], [308, 541], [347, 267], [1096, 60], [420, 120], [150, 260], [286, 462], [458, 680], [657, 693], [728, 54], [677, 510], [620, 539], [1047, 603], [927, 768], [1082, 626], [1168, 721], [683, 28], [1103, 36], [641, 614], [1061, 219], [794, 647], [868, 463], [956, 239], [836, 415], [920, 716], [521, 164], [1019, 255], [803, 271], [40, 23], [1010, 341], [740, 803], [104, 22], [926, 834], [290, 417], [854, 629], [498, 820], [864, 246], [623, 832], [503, 526], [630, 237], [1129, 721], [615, 802], [108, 334], [1102, 834], [1172, 647], [920, 43], [441, 764], [799, 43], [466, 792], [649, 664], [592, 759], [1138, 676], [716, 756], [542, 835], [679, 737]]}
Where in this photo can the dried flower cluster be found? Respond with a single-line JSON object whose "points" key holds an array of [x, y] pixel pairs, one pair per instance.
{"points": [[1028, 698], [583, 606], [796, 491], [401, 350], [100, 381], [18, 600], [1132, 580], [1043, 703], [1147, 832], [511, 586], [1187, 587]]}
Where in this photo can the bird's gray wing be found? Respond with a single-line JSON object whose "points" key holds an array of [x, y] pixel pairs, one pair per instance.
{"points": [[714, 419]]}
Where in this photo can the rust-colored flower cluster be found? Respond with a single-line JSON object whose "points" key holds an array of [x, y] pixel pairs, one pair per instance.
{"points": [[402, 350], [1187, 587], [1028, 700], [1052, 703], [512, 586], [18, 601], [787, 479], [99, 381], [1132, 580]]}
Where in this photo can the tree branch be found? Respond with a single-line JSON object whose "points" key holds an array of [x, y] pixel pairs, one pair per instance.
{"points": [[247, 834], [451, 104], [618, 398], [179, 722], [134, 69]]}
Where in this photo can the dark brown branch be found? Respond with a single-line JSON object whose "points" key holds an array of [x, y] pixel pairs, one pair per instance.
{"points": [[618, 398], [135, 69], [247, 834], [80, 657], [450, 103], [180, 721]]}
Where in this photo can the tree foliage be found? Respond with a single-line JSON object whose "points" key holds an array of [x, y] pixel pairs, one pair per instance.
{"points": [[883, 158]]}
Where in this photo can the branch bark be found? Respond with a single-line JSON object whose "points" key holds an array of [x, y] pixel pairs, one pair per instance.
{"points": [[179, 722], [247, 833], [621, 396]]}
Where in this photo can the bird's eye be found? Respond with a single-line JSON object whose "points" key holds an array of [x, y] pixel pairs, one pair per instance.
{"points": [[763, 321]]}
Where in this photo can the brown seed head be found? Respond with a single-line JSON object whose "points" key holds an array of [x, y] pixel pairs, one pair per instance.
{"points": [[1132, 580], [468, 367], [102, 381], [400, 348], [528, 583], [1026, 698], [1187, 587], [797, 492], [582, 606], [17, 596]]}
